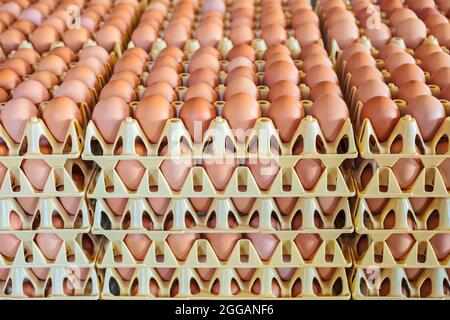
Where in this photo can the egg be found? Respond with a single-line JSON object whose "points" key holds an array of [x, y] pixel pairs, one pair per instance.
{"points": [[319, 74], [240, 62], [383, 114], [241, 85], [405, 170], [75, 90], [242, 50], [57, 115], [11, 39], [397, 59], [407, 72], [152, 113], [223, 243], [308, 244], [281, 70], [9, 243], [108, 115], [95, 51], [29, 55], [436, 60], [144, 36], [345, 32], [176, 171], [365, 73], [47, 78], [413, 31], [204, 60], [129, 63], [70, 204], [220, 171], [325, 88], [31, 90], [286, 112], [14, 116], [138, 244], [83, 74], [370, 89], [201, 90], [358, 60], [429, 114], [9, 79], [273, 34], [209, 34], [389, 49], [181, 244], [442, 33], [64, 53], [94, 64], [197, 114], [37, 172], [159, 205], [241, 34], [400, 244], [441, 245], [176, 34], [119, 88], [277, 57], [314, 60], [203, 75], [173, 51], [425, 49], [304, 16], [276, 49], [445, 93], [128, 76], [412, 89], [401, 14], [331, 113], [440, 77], [241, 119], [284, 88], [21, 67], [42, 37], [308, 171], [164, 73], [131, 171], [241, 72], [162, 89], [307, 34], [168, 61], [107, 37], [264, 243], [28, 204]]}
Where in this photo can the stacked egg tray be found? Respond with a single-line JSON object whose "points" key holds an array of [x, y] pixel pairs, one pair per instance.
{"points": [[47, 251], [400, 247], [158, 245]]}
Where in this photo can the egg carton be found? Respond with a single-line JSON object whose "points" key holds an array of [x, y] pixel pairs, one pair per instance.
{"points": [[334, 182], [329, 251], [393, 284], [406, 128], [218, 137], [367, 222], [67, 178], [78, 250], [417, 252], [384, 184], [187, 283], [61, 283], [222, 216], [40, 219]]}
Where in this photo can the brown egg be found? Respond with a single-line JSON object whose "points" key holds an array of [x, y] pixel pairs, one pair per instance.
{"points": [[9, 243], [42, 37], [435, 61], [273, 34], [204, 75], [277, 57], [181, 244], [28, 204], [107, 37], [209, 34], [345, 32], [64, 53], [241, 34], [131, 172], [370, 89], [400, 244], [223, 243], [220, 171], [407, 72], [284, 88], [108, 115], [52, 63], [308, 244], [330, 120], [397, 59], [176, 34], [304, 16], [441, 245], [440, 77], [119, 88], [176, 171], [159, 205], [264, 170], [163, 73], [9, 79], [429, 114], [308, 170], [413, 31], [365, 73], [286, 112], [11, 39], [27, 54], [405, 170], [94, 64], [58, 114], [241, 72], [197, 114], [383, 114], [425, 49], [138, 244], [307, 34], [241, 85], [265, 244], [95, 51], [173, 51], [25, 26], [168, 61], [378, 36], [14, 116], [442, 33], [129, 63], [319, 74], [324, 88], [21, 67], [314, 60], [388, 50], [241, 119], [412, 89], [240, 62], [70, 204], [358, 60], [276, 49], [47, 78], [242, 50], [281, 70], [144, 36], [32, 90], [204, 60], [84, 74], [200, 90], [37, 172], [401, 14], [152, 114], [162, 89], [75, 38]]}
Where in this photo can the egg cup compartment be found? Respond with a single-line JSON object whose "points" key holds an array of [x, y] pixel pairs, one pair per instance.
{"points": [[303, 283], [333, 182], [67, 178], [417, 251], [393, 284], [384, 184], [219, 139], [40, 219], [328, 251], [75, 250], [60, 283], [222, 216], [367, 222], [409, 134]]}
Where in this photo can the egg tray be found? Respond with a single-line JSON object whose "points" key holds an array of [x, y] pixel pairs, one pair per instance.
{"points": [[76, 250], [334, 182], [420, 254], [384, 184], [367, 222], [40, 220], [219, 137], [406, 129], [180, 214], [186, 283], [331, 252], [367, 287], [52, 287], [67, 178]]}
